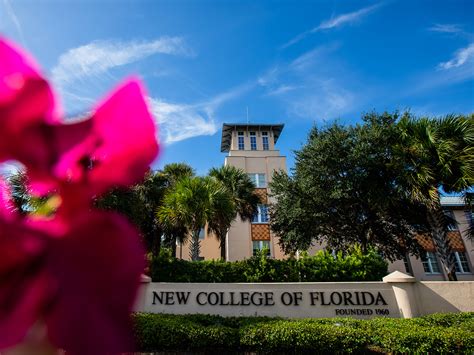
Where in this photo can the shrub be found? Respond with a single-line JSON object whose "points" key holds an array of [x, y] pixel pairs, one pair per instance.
{"points": [[441, 333], [353, 266]]}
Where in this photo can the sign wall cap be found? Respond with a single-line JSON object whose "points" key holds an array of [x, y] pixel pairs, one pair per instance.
{"points": [[398, 276], [144, 278]]}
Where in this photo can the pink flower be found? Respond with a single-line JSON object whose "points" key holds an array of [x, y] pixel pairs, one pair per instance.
{"points": [[77, 271]]}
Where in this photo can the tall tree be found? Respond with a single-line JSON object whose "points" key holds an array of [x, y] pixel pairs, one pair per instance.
{"points": [[343, 192], [242, 191], [139, 203], [439, 156], [173, 234], [192, 203]]}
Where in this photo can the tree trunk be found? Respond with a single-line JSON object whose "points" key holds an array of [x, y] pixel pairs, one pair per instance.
{"points": [[437, 221], [173, 246], [157, 242], [195, 247], [222, 246]]}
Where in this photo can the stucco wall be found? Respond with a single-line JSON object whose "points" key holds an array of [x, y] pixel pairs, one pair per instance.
{"points": [[399, 295]]}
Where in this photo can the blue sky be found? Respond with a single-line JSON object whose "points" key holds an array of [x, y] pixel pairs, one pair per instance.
{"points": [[294, 62]]}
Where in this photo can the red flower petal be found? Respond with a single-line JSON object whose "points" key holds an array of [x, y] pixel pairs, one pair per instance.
{"points": [[25, 100], [120, 147], [98, 267]]}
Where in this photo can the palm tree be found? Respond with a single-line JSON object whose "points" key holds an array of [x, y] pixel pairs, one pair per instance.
{"points": [[193, 202], [439, 156], [242, 190], [173, 173]]}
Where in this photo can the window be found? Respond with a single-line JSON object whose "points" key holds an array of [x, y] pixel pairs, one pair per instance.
{"points": [[469, 217], [259, 245], [258, 180], [241, 140], [265, 140], [202, 234], [253, 141], [452, 225], [406, 262], [462, 265], [430, 264], [262, 214]]}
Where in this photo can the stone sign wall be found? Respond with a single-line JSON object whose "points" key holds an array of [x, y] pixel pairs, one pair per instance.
{"points": [[398, 296]]}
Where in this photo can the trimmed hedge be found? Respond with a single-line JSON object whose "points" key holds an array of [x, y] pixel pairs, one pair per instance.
{"points": [[323, 267], [440, 333]]}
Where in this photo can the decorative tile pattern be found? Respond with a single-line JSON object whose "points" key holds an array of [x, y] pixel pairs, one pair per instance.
{"points": [[455, 241], [426, 242], [454, 237], [260, 232], [262, 193]]}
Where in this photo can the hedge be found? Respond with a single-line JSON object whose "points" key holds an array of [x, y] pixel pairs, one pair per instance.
{"points": [[323, 267], [440, 333]]}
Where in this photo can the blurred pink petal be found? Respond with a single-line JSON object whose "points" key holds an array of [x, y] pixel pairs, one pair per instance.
{"points": [[77, 271], [120, 147], [98, 267], [24, 286], [25, 99]]}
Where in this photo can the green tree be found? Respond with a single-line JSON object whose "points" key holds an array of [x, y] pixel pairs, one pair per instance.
{"points": [[242, 191], [193, 202], [439, 156], [139, 203], [173, 234], [344, 191]]}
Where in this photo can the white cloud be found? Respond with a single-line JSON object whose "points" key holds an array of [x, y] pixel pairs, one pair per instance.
{"points": [[461, 57], [269, 77], [445, 28], [310, 57], [313, 86], [11, 14], [345, 18], [99, 56], [334, 22], [326, 102], [177, 122], [282, 89]]}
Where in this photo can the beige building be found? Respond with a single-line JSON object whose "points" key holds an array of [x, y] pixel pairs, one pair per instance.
{"points": [[429, 268], [251, 147]]}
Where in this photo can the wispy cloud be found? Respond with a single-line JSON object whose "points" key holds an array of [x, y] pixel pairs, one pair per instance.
{"points": [[461, 57], [446, 28], [329, 101], [11, 14], [333, 22], [343, 19], [178, 122], [282, 89], [100, 56], [314, 85], [316, 54]]}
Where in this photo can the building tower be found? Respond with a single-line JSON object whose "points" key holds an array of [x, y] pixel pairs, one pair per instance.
{"points": [[251, 147]]}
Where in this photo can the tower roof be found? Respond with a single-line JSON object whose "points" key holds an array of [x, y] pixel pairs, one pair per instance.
{"points": [[227, 129]]}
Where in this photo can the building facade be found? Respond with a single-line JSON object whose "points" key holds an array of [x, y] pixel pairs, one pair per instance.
{"points": [[251, 147], [428, 267]]}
